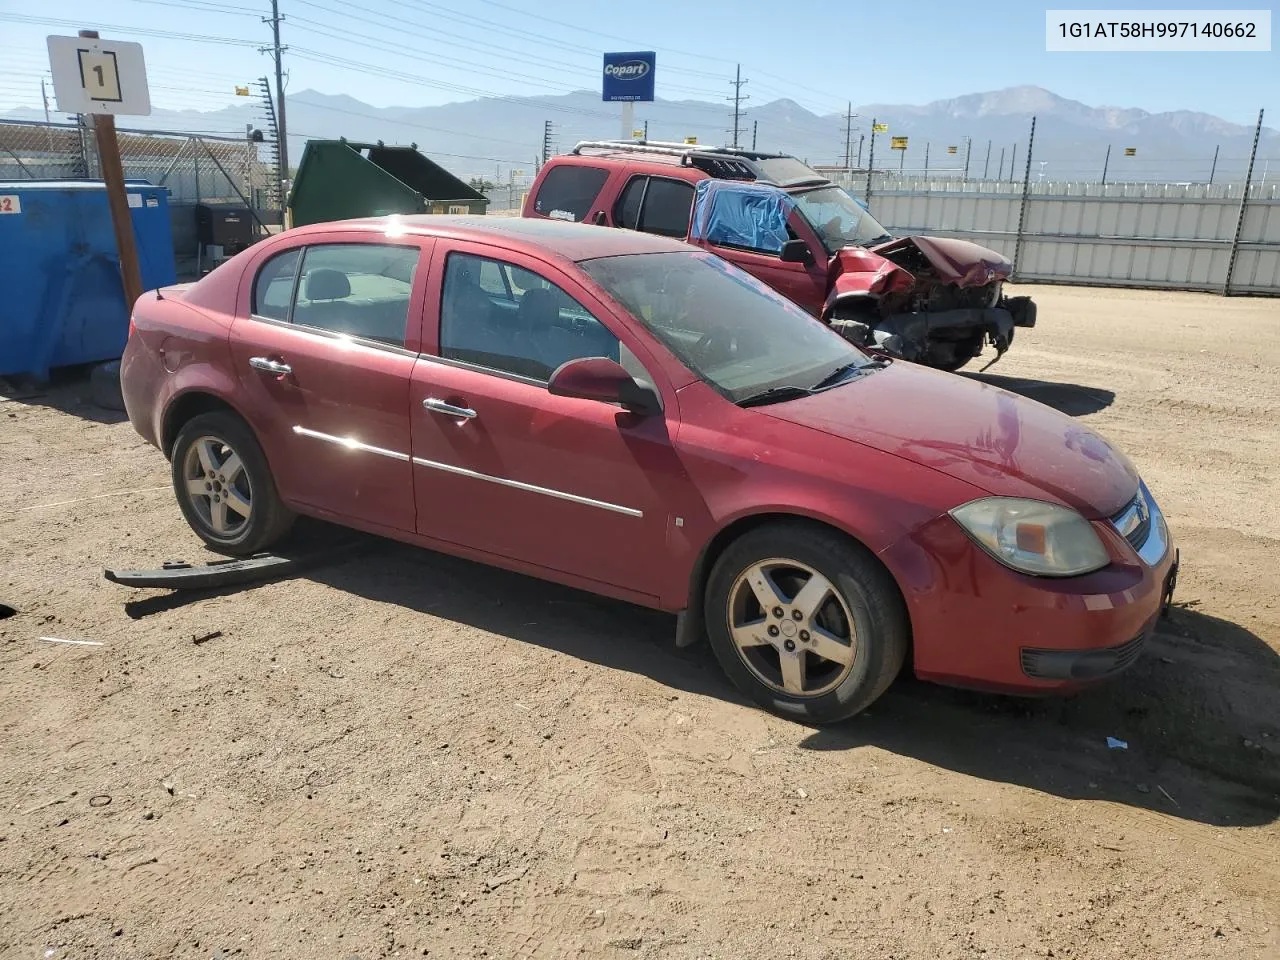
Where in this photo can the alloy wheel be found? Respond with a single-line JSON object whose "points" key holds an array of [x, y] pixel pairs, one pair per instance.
{"points": [[791, 627], [218, 486]]}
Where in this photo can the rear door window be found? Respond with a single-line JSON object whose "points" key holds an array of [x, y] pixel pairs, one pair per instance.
{"points": [[568, 191], [667, 207], [357, 289]]}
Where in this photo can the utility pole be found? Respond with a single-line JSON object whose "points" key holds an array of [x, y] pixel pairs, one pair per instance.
{"points": [[926, 158], [646, 129], [737, 99], [1214, 169], [546, 141], [848, 136], [755, 128], [1013, 160], [1000, 172], [276, 50], [968, 148], [1106, 162], [986, 166], [861, 137]]}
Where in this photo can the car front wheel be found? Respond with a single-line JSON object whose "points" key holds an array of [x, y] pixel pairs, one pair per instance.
{"points": [[224, 486], [805, 621]]}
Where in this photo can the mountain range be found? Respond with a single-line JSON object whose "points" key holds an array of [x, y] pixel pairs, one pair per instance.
{"points": [[494, 137]]}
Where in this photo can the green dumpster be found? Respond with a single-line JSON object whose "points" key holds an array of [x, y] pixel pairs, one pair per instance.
{"points": [[340, 180]]}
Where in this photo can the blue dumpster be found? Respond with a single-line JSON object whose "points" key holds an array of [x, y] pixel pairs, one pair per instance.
{"points": [[63, 302]]}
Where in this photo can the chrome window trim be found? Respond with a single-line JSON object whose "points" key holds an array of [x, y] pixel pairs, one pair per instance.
{"points": [[481, 368], [334, 335], [529, 487], [351, 443]]}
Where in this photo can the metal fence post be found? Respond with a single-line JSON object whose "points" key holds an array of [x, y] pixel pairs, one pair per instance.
{"points": [[1244, 203], [871, 161], [1026, 193]]}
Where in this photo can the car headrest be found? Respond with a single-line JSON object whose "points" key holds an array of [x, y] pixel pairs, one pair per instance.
{"points": [[539, 307], [327, 285]]}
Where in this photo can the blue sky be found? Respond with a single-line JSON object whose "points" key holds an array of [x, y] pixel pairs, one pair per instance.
{"points": [[821, 54]]}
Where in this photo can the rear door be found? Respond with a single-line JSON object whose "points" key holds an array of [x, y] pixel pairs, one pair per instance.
{"points": [[325, 356], [654, 204], [501, 465]]}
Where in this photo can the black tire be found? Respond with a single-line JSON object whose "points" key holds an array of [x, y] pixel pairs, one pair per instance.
{"points": [[881, 628], [104, 386], [252, 485]]}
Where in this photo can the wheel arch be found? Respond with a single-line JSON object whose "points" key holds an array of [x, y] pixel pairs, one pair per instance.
{"points": [[188, 405], [691, 627]]}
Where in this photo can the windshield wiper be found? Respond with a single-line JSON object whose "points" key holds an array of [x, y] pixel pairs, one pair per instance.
{"points": [[835, 376], [875, 240], [774, 395]]}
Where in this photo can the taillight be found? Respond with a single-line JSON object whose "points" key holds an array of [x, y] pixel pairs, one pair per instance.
{"points": [[132, 326]]}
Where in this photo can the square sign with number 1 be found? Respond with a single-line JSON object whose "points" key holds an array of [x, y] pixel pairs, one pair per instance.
{"points": [[91, 75]]}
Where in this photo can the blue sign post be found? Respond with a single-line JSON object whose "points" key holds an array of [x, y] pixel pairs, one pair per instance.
{"points": [[628, 79]]}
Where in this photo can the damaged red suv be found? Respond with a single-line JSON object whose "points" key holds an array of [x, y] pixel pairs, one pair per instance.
{"points": [[932, 300]]}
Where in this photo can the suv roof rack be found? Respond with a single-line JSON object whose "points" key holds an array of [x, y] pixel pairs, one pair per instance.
{"points": [[726, 163], [671, 148]]}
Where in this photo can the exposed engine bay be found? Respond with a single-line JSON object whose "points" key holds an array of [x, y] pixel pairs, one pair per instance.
{"points": [[929, 300]]}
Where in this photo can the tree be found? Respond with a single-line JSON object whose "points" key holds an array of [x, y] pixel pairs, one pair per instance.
{"points": [[481, 185]]}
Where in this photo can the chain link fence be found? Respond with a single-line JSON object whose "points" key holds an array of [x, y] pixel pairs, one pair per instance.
{"points": [[195, 168]]}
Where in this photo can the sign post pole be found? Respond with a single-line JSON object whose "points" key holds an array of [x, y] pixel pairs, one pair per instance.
{"points": [[628, 118], [100, 79]]}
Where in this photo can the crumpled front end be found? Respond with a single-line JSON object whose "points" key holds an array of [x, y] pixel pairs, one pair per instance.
{"points": [[931, 300]]}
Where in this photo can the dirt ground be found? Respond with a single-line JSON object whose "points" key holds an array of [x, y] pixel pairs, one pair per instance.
{"points": [[407, 755]]}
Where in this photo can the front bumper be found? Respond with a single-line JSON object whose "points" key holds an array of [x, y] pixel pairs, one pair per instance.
{"points": [[976, 623]]}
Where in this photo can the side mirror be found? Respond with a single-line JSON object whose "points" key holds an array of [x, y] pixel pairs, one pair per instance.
{"points": [[796, 251], [601, 219], [599, 378]]}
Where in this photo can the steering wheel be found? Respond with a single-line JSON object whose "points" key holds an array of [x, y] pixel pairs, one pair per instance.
{"points": [[714, 343]]}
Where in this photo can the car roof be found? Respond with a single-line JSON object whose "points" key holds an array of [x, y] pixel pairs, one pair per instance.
{"points": [[572, 241]]}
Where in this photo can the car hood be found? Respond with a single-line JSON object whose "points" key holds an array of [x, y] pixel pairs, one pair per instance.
{"points": [[1002, 443], [956, 261]]}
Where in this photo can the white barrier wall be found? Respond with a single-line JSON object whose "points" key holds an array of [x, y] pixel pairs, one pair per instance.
{"points": [[1176, 236]]}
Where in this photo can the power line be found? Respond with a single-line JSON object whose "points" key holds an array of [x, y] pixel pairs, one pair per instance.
{"points": [[128, 31]]}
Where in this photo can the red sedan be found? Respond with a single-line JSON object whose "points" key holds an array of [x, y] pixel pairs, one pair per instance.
{"points": [[635, 417]]}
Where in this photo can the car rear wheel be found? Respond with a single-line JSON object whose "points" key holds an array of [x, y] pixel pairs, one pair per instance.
{"points": [[805, 621], [224, 486]]}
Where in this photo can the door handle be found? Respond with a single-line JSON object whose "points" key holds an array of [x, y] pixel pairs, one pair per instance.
{"points": [[268, 365], [448, 409]]}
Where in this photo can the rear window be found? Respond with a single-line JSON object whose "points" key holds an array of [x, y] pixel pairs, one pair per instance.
{"points": [[568, 191]]}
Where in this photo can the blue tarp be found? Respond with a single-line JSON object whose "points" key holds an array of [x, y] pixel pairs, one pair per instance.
{"points": [[747, 215]]}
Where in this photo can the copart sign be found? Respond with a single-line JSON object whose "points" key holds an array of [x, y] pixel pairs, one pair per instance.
{"points": [[628, 76]]}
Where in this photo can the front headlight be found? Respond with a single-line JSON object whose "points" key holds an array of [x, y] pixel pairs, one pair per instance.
{"points": [[1032, 536]]}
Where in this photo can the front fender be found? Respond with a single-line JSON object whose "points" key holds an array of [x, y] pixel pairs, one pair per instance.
{"points": [[864, 276]]}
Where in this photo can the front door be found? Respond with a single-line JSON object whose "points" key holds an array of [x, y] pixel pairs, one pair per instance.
{"points": [[747, 224], [501, 465], [325, 358]]}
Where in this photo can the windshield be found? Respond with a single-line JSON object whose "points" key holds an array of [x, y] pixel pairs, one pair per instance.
{"points": [[734, 332], [838, 218]]}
